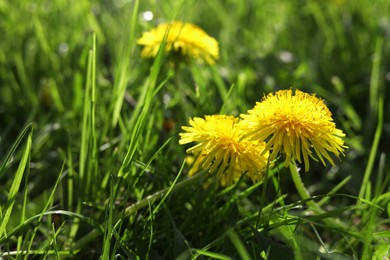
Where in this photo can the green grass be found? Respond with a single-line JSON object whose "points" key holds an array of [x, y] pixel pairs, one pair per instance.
{"points": [[90, 164]]}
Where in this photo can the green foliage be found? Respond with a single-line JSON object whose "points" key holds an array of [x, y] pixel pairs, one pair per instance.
{"points": [[90, 160]]}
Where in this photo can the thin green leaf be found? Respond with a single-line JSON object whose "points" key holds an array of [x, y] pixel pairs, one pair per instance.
{"points": [[238, 244], [20, 137], [123, 67], [24, 163], [212, 255], [377, 108]]}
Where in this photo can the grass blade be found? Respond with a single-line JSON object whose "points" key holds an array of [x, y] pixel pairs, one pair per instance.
{"points": [[26, 130], [128, 46], [238, 244], [379, 102], [142, 111], [24, 163], [334, 190], [108, 224], [212, 255], [49, 202]]}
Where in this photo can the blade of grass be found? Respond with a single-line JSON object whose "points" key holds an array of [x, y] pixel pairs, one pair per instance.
{"points": [[289, 234], [369, 230], [146, 166], [54, 242], [375, 78], [49, 202], [85, 128], [373, 215], [139, 205], [169, 189], [334, 190], [150, 242], [71, 176], [118, 239], [266, 212], [88, 143], [161, 194], [382, 180], [123, 67], [20, 137], [43, 253], [238, 244], [23, 165], [94, 148], [138, 121], [212, 255], [92, 222], [379, 102], [24, 206], [108, 224]]}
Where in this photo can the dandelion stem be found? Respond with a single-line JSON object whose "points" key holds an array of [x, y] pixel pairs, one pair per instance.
{"points": [[305, 196]]}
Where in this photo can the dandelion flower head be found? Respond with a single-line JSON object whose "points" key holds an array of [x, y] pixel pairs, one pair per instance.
{"points": [[184, 39], [295, 124], [221, 148]]}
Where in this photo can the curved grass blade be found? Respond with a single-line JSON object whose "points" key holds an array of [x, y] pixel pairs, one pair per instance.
{"points": [[27, 129], [24, 163]]}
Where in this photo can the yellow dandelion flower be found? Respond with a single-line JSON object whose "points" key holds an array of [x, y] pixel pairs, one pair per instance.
{"points": [[184, 39], [295, 124], [221, 148]]}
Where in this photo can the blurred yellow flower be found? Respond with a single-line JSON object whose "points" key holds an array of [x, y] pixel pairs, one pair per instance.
{"points": [[294, 124], [183, 39], [221, 148]]}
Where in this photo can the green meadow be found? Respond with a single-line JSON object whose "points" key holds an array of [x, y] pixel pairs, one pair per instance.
{"points": [[90, 161]]}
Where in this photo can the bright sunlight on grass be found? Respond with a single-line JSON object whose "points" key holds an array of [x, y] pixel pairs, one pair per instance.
{"points": [[195, 129]]}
